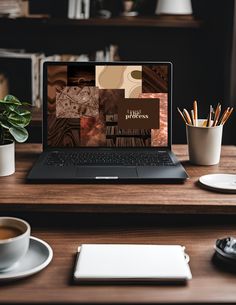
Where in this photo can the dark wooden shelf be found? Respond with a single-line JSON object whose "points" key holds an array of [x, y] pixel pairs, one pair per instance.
{"points": [[37, 114], [169, 22]]}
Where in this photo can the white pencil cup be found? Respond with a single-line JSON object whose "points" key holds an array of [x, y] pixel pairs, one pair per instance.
{"points": [[204, 144]]}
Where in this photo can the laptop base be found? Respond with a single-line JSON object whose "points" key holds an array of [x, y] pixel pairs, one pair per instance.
{"points": [[106, 174]]}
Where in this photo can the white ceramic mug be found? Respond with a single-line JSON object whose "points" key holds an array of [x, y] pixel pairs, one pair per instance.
{"points": [[204, 144], [14, 248]]}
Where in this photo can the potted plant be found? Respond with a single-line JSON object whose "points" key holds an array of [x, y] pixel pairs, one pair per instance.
{"points": [[13, 120]]}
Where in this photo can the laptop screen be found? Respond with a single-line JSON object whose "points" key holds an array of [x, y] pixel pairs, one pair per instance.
{"points": [[107, 105]]}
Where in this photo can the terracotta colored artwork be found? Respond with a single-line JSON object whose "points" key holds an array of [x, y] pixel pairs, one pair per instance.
{"points": [[159, 137], [92, 131], [74, 102]]}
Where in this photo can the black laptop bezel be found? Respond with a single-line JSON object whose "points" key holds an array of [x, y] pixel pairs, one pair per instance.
{"points": [[45, 101]]}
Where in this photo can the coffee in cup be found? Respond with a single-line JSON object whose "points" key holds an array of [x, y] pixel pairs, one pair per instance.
{"points": [[9, 232], [14, 241]]}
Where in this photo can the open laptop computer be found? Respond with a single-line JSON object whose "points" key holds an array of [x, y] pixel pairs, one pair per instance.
{"points": [[107, 122]]}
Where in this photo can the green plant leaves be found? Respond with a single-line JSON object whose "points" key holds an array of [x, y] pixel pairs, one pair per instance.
{"points": [[10, 99], [18, 120], [19, 134], [17, 109], [5, 124], [14, 118], [21, 118]]}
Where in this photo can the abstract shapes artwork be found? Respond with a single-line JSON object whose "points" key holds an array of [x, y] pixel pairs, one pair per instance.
{"points": [[120, 77]]}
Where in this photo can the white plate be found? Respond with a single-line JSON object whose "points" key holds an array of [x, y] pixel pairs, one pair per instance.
{"points": [[37, 258], [225, 183]]}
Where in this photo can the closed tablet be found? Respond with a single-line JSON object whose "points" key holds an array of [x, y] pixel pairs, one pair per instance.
{"points": [[106, 262]]}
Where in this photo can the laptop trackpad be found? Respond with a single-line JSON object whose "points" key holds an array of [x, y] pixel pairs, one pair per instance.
{"points": [[106, 172]]}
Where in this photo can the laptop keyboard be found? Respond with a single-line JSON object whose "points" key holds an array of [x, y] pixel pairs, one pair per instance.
{"points": [[108, 158]]}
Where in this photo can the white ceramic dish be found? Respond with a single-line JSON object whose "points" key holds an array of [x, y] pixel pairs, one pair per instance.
{"points": [[37, 258], [225, 183]]}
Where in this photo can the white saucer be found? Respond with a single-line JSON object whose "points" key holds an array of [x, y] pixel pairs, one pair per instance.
{"points": [[37, 258], [225, 183]]}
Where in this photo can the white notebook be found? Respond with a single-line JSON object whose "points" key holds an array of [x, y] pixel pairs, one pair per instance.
{"points": [[120, 262]]}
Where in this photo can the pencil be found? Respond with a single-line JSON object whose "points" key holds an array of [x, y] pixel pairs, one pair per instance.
{"points": [[187, 116], [210, 117], [217, 114], [195, 109], [223, 116], [183, 117], [193, 117], [227, 116]]}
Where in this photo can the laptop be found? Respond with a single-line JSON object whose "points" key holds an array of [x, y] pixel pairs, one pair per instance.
{"points": [[107, 122]]}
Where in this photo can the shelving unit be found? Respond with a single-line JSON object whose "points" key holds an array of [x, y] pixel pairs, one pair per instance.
{"points": [[168, 22], [36, 117], [198, 47], [28, 24]]}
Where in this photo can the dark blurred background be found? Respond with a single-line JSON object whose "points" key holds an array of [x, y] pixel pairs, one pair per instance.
{"points": [[203, 54]]}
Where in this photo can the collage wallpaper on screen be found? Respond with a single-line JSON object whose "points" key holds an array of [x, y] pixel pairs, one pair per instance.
{"points": [[110, 105]]}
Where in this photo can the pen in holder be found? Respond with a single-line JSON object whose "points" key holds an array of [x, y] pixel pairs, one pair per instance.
{"points": [[204, 136], [204, 143]]}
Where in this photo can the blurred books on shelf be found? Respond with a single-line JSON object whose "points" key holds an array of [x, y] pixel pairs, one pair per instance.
{"points": [[10, 8], [71, 9], [14, 8], [3, 86], [85, 9], [21, 73], [79, 9]]}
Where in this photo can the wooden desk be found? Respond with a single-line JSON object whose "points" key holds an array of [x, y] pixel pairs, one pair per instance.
{"points": [[42, 205], [54, 285], [155, 198]]}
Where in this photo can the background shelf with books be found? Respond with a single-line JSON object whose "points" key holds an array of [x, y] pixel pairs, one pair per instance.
{"points": [[202, 65], [171, 22]]}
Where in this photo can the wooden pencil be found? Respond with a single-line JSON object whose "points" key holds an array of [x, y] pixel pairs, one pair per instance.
{"points": [[195, 109], [223, 116], [210, 116], [217, 114], [193, 117], [187, 116], [227, 116], [183, 117]]}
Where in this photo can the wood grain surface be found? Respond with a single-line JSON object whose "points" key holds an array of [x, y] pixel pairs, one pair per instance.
{"points": [[17, 195], [169, 22], [210, 284], [36, 117]]}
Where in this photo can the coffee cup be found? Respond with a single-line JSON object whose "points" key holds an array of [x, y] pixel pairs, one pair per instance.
{"points": [[14, 241]]}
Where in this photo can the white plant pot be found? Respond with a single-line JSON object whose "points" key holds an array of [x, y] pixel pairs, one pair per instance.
{"points": [[7, 159], [174, 7]]}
